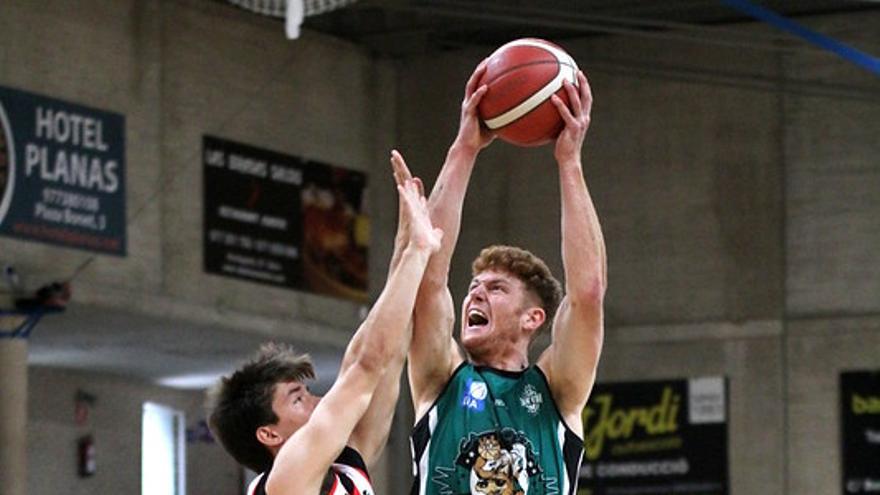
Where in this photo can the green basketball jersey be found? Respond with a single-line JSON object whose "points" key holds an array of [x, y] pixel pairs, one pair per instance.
{"points": [[495, 432]]}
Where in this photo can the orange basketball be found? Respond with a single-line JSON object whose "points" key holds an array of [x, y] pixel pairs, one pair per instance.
{"points": [[521, 76]]}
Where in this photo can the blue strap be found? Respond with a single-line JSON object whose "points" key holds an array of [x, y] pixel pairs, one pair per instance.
{"points": [[23, 330], [32, 317], [855, 56]]}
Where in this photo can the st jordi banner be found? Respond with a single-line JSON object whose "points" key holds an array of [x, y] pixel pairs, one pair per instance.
{"points": [[656, 437]]}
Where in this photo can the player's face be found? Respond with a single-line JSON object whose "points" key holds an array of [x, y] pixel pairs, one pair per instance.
{"points": [[293, 403], [492, 312]]}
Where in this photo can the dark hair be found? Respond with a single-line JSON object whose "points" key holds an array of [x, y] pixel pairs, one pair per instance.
{"points": [[241, 403], [530, 269]]}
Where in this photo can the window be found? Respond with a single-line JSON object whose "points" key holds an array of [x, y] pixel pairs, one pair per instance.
{"points": [[163, 465]]}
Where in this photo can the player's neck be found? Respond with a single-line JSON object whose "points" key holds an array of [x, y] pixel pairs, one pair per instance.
{"points": [[513, 360]]}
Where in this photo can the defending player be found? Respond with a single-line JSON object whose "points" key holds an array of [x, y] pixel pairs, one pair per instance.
{"points": [[265, 416]]}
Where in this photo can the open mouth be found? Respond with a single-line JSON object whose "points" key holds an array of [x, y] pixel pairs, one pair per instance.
{"points": [[476, 318]]}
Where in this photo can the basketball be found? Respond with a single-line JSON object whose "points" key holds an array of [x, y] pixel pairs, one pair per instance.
{"points": [[521, 76]]}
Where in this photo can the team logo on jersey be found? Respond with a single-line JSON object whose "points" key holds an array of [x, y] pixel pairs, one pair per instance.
{"points": [[474, 396], [500, 462], [531, 400]]}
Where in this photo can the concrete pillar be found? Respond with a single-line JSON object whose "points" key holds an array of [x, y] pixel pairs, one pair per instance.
{"points": [[13, 415]]}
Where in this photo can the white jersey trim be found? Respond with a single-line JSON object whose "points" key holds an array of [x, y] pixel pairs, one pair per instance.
{"points": [[423, 460], [252, 487]]}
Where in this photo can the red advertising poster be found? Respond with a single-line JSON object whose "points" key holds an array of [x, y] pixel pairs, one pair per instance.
{"points": [[278, 219]]}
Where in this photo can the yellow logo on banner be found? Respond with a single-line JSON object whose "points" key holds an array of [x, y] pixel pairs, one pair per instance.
{"points": [[619, 423], [865, 405]]}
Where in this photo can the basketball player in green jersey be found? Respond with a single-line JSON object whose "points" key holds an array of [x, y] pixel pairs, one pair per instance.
{"points": [[488, 421]]}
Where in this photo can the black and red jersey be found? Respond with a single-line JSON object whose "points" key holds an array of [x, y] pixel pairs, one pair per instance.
{"points": [[347, 476]]}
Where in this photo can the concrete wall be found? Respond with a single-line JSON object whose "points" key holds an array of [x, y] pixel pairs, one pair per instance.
{"points": [[105, 55], [748, 354], [114, 421], [833, 183], [179, 70], [817, 351], [235, 77], [832, 158]]}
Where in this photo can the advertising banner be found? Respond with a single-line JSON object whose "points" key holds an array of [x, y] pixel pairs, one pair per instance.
{"points": [[62, 173], [656, 437], [281, 220], [860, 431]]}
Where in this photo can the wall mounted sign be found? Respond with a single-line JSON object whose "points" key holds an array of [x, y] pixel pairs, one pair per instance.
{"points": [[62, 173], [656, 437], [281, 220]]}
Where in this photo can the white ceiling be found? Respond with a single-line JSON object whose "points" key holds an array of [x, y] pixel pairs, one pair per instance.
{"points": [[177, 353]]}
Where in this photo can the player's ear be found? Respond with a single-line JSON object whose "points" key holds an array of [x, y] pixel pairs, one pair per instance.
{"points": [[533, 318], [267, 436]]}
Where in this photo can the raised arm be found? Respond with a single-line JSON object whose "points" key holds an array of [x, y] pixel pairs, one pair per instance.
{"points": [[371, 433], [571, 360], [434, 353], [305, 457]]}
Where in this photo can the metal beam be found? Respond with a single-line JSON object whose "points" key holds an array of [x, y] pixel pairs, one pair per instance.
{"points": [[650, 29], [845, 51]]}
